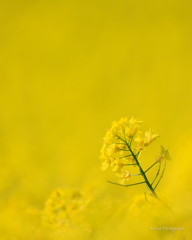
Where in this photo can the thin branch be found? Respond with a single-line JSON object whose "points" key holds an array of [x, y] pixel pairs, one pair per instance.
{"points": [[150, 167], [131, 141], [137, 154], [125, 185], [156, 174], [149, 192], [135, 175], [161, 175], [130, 164], [121, 139], [125, 156], [120, 143], [147, 199]]}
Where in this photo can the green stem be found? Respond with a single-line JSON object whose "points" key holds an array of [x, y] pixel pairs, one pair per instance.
{"points": [[125, 156], [156, 174], [129, 164], [161, 175], [150, 167], [147, 199], [120, 143], [134, 175], [142, 172], [125, 185], [131, 141], [152, 190], [137, 154]]}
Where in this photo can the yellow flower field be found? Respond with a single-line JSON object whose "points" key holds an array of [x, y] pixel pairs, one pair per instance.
{"points": [[68, 69]]}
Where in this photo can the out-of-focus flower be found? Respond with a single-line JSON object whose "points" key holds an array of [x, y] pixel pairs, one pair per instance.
{"points": [[123, 175], [164, 155], [64, 208]]}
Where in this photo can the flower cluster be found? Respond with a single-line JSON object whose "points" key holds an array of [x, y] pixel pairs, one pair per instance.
{"points": [[121, 143], [122, 146], [63, 209]]}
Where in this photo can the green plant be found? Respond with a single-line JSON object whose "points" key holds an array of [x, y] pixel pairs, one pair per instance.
{"points": [[118, 152]]}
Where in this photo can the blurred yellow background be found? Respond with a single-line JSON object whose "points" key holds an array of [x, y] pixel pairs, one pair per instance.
{"points": [[70, 68]]}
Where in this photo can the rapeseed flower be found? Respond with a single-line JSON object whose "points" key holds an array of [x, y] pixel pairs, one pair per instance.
{"points": [[150, 136], [118, 151], [61, 209], [117, 165], [123, 176], [165, 155], [115, 152], [113, 148]]}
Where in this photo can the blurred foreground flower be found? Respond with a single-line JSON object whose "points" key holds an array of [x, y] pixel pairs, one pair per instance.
{"points": [[64, 211], [122, 146]]}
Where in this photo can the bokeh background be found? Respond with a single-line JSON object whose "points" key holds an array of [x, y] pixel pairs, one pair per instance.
{"points": [[67, 70]]}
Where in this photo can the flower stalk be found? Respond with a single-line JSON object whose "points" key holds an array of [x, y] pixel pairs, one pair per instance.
{"points": [[152, 190], [119, 140]]}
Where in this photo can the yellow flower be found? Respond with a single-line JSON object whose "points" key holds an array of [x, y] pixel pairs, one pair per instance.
{"points": [[123, 175], [164, 155], [103, 149], [61, 207], [122, 120], [134, 124], [150, 136], [140, 142], [113, 148], [122, 123], [116, 165], [109, 137], [106, 161], [105, 164], [121, 129], [112, 143]]}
